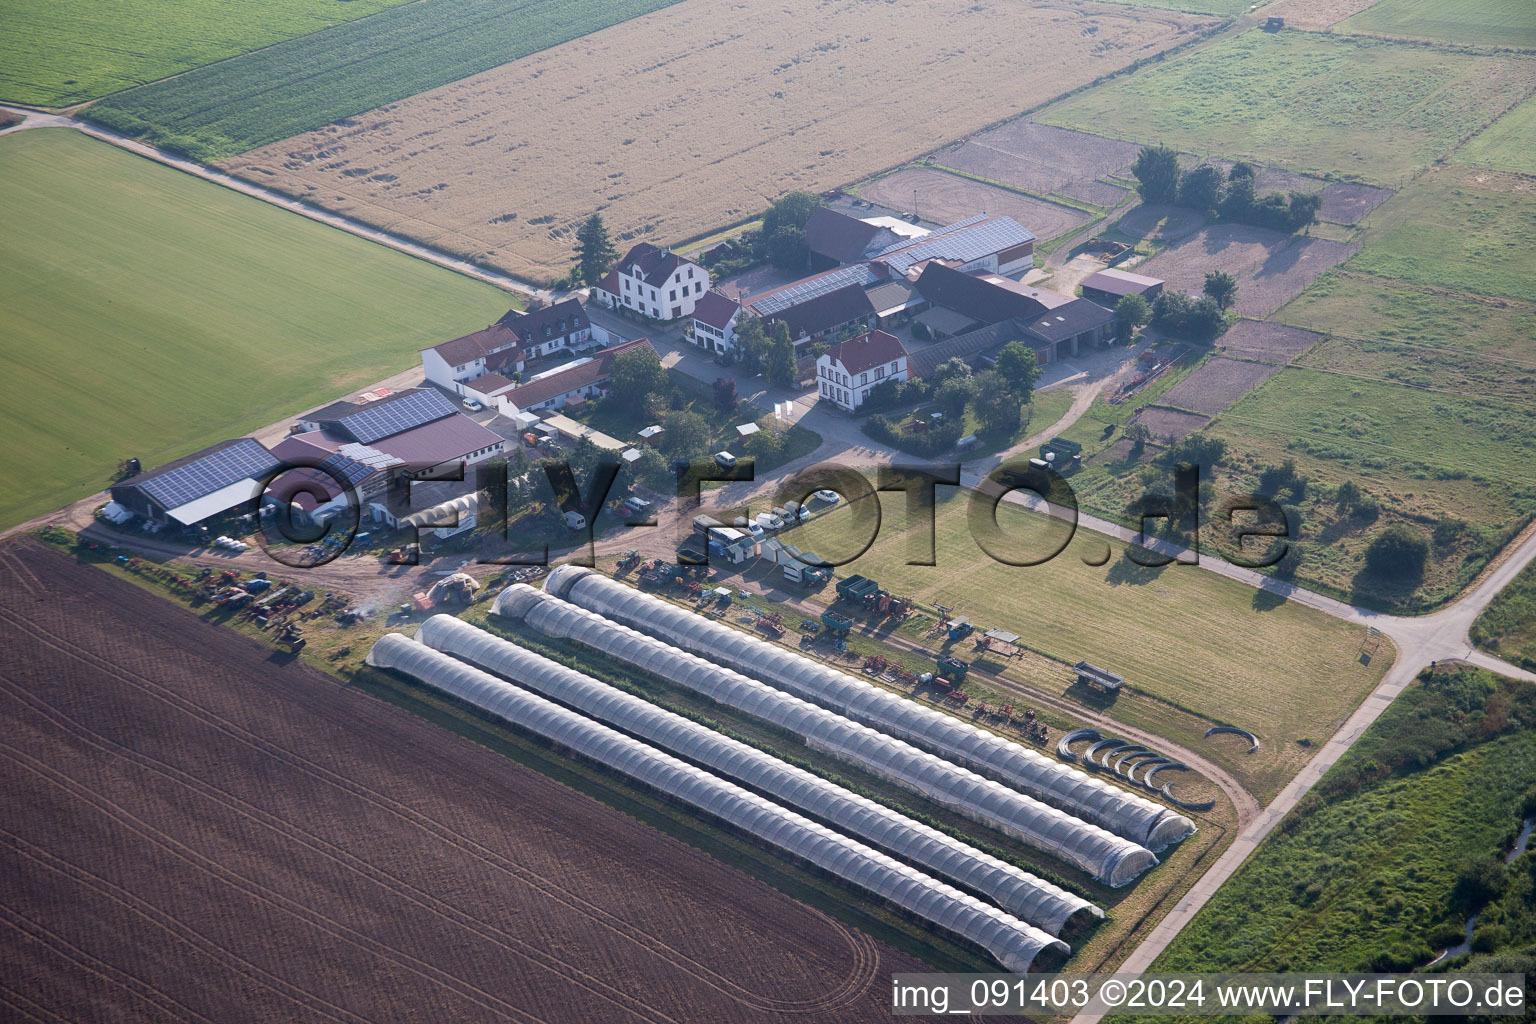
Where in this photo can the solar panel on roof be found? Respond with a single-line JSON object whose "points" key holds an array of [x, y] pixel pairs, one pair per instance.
{"points": [[214, 471], [813, 287], [971, 240], [351, 471], [391, 418]]}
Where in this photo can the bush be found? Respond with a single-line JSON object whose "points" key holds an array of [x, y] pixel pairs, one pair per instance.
{"points": [[1398, 553]]}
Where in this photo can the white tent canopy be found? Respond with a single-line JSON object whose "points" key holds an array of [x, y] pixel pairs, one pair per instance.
{"points": [[1016, 891], [1070, 789], [1010, 941]]}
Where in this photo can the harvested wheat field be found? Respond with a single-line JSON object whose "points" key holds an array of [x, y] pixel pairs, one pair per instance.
{"points": [[1271, 267], [194, 830], [1218, 384], [682, 121], [945, 198]]}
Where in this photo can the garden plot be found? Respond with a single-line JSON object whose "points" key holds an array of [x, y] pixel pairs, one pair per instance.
{"points": [[1170, 425], [1157, 223], [1040, 158], [1347, 204], [1270, 266], [1218, 384], [946, 198], [1267, 342], [674, 124]]}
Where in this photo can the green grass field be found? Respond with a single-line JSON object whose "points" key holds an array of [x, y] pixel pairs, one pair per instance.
{"points": [[1507, 627], [1456, 228], [1187, 636], [1363, 875], [1474, 347], [1500, 23], [301, 84], [1454, 468], [1349, 106], [54, 53], [145, 312], [1504, 145]]}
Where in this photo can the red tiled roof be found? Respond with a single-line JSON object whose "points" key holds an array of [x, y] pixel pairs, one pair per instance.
{"points": [[585, 374], [979, 299], [470, 347], [840, 237], [452, 437], [488, 383], [562, 318], [715, 309], [655, 263], [867, 351], [824, 312]]}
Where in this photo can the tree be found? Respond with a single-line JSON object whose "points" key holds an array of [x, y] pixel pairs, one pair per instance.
{"points": [[1222, 287], [1398, 554], [790, 211], [1304, 208], [1131, 312], [1139, 434], [636, 380], [766, 446], [751, 343], [998, 405], [779, 359], [595, 254], [1205, 321], [1157, 174], [1017, 366], [787, 248], [685, 434], [1348, 495], [952, 396], [1200, 188], [725, 395], [952, 367], [1237, 198], [1241, 169]]}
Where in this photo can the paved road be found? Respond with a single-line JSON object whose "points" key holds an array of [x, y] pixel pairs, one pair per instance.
{"points": [[1419, 640]]}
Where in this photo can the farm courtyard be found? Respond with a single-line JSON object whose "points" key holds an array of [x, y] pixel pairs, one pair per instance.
{"points": [[682, 121]]}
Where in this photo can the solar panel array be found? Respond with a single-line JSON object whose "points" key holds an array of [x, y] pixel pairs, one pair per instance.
{"points": [[369, 456], [813, 287], [966, 244], [216, 470], [351, 471], [947, 229], [387, 419]]}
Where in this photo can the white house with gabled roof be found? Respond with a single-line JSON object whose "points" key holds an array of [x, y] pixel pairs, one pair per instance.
{"points": [[848, 371]]}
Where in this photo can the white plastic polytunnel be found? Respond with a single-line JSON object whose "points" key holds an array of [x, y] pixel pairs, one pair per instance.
{"points": [[1018, 892], [1112, 859], [448, 512], [1010, 941], [1060, 785]]}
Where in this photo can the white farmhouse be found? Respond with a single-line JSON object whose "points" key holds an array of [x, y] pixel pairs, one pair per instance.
{"points": [[846, 372], [655, 282], [714, 322]]}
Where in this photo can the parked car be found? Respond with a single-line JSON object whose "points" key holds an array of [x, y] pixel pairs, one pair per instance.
{"points": [[472, 405], [575, 521], [769, 522], [749, 527], [827, 497], [725, 460]]}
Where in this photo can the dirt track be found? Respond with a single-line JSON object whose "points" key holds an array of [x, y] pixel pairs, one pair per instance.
{"points": [[192, 832]]}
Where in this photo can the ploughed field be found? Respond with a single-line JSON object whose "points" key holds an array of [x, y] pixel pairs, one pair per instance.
{"points": [[196, 831], [684, 120]]}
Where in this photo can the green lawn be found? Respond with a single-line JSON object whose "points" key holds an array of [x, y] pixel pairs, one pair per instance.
{"points": [[1500, 23], [303, 83], [58, 52], [1187, 636], [1504, 145], [1507, 627], [1429, 338], [1363, 874], [1349, 106], [1456, 228], [145, 312]]}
